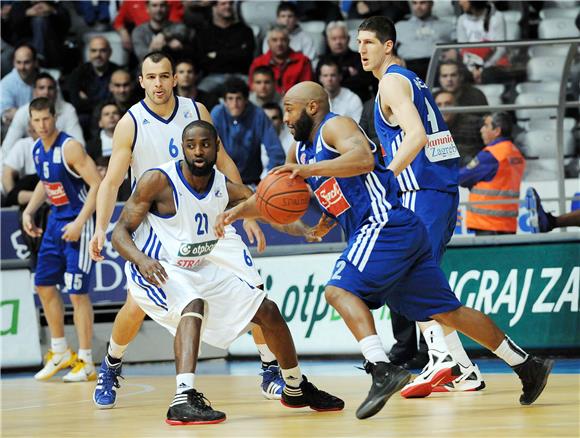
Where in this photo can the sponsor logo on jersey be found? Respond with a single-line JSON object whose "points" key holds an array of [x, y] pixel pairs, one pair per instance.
{"points": [[218, 193], [146, 122], [441, 147], [187, 115], [196, 249], [331, 198], [56, 194]]}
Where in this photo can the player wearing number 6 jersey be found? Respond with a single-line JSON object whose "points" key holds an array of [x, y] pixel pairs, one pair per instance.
{"points": [[419, 149], [147, 136]]}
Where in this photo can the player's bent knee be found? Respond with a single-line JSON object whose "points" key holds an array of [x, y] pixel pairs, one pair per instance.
{"points": [[267, 314], [447, 318], [332, 295]]}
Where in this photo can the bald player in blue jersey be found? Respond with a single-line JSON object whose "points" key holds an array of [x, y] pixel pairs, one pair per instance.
{"points": [[418, 147], [388, 258]]}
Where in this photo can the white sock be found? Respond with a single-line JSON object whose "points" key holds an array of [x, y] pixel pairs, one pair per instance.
{"points": [[435, 338], [58, 345], [292, 376], [184, 382], [372, 349], [266, 354], [86, 356], [510, 352], [456, 349], [115, 350]]}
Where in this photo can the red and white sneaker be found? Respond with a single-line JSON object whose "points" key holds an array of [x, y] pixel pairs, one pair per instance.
{"points": [[440, 369], [469, 380]]}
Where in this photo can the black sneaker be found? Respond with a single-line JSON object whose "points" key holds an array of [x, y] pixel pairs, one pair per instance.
{"points": [[387, 379], [190, 407], [534, 374], [309, 395]]}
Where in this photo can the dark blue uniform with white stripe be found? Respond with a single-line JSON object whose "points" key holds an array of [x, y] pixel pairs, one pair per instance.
{"points": [[429, 183], [61, 262], [388, 256]]}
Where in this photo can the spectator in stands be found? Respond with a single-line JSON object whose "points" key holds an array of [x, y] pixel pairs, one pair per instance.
{"points": [[463, 127], [481, 21], [543, 222], [133, 13], [395, 10], [197, 13], [224, 48], [318, 10], [452, 79], [95, 14], [300, 41], [102, 144], [19, 176], [87, 85], [160, 34], [276, 116], [417, 36], [353, 76], [16, 86], [124, 193], [122, 89], [289, 67], [494, 174], [186, 85], [244, 129], [262, 86], [66, 115], [342, 100], [44, 25]]}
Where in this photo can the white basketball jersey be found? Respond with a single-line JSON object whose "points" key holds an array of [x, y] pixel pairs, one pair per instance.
{"points": [[158, 140], [187, 237]]}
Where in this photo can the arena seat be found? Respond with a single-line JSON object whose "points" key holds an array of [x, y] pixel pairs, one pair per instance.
{"points": [[536, 98], [443, 8], [538, 87], [558, 28], [545, 68], [550, 124], [119, 54], [542, 143], [492, 92], [512, 24], [563, 12], [353, 23], [555, 50], [260, 13]]}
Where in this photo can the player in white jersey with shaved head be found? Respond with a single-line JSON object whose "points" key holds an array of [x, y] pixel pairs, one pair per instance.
{"points": [[148, 135]]}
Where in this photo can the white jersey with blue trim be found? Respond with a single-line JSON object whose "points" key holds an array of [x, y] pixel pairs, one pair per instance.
{"points": [[436, 166], [157, 140], [186, 238]]}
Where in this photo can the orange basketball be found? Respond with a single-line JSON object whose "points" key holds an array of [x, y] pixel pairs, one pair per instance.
{"points": [[282, 200]]}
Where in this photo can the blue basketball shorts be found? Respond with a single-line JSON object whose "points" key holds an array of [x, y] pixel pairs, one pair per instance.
{"points": [[438, 212], [64, 263], [396, 268]]}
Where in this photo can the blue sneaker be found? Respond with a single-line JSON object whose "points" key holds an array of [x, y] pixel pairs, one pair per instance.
{"points": [[272, 382], [539, 219], [105, 396]]}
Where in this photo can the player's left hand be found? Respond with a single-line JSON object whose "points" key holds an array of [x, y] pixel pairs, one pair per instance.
{"points": [[322, 228], [295, 170], [72, 231], [254, 233]]}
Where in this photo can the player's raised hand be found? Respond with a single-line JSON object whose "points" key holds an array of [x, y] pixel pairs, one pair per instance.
{"points": [[96, 245], [72, 231], [29, 226], [295, 170], [254, 233], [152, 271]]}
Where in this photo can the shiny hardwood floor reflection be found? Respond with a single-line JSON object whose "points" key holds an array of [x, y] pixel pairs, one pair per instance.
{"points": [[34, 409]]}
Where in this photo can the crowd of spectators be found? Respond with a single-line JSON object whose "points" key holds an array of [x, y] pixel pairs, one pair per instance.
{"points": [[238, 71]]}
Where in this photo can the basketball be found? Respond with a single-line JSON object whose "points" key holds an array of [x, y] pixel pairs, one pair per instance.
{"points": [[282, 200]]}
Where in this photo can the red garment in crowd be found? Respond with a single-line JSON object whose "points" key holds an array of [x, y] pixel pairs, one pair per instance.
{"points": [[134, 13], [296, 68]]}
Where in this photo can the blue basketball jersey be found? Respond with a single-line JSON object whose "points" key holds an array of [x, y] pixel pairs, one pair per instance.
{"points": [[362, 200], [65, 189], [436, 166]]}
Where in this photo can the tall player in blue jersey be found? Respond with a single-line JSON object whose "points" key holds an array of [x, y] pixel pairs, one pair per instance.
{"points": [[388, 258], [65, 171], [420, 150]]}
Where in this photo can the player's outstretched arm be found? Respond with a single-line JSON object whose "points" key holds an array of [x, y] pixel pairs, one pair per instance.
{"points": [[109, 188], [78, 159], [37, 199], [395, 93], [152, 187]]}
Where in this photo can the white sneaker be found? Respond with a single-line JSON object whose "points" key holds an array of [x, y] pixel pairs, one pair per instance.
{"points": [[469, 380], [440, 369], [81, 372], [54, 362]]}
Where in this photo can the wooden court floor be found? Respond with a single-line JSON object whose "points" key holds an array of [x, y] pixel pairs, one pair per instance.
{"points": [[56, 409]]}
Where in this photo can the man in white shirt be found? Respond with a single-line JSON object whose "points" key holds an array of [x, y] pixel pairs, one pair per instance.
{"points": [[16, 166], [300, 41], [342, 100], [66, 115]]}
